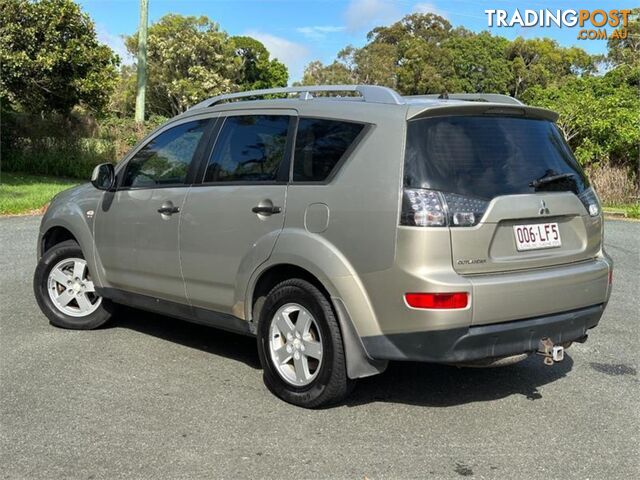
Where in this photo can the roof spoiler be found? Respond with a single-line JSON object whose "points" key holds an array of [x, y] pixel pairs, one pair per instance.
{"points": [[481, 108]]}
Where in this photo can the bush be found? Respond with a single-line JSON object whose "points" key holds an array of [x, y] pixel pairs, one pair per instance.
{"points": [[614, 185], [66, 146], [124, 133]]}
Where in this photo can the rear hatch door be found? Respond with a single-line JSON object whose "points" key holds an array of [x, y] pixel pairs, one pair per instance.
{"points": [[564, 234], [514, 171]]}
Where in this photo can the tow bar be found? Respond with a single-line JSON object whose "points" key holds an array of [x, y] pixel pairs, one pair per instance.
{"points": [[551, 353]]}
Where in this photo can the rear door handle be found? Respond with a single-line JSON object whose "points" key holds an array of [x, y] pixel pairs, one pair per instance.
{"points": [[266, 210], [167, 209]]}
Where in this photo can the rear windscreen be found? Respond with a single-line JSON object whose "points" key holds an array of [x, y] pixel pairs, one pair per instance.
{"points": [[487, 156]]}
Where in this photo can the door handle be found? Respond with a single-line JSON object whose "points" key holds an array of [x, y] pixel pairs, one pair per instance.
{"points": [[168, 209], [266, 210]]}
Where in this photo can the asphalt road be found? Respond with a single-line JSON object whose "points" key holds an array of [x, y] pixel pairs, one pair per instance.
{"points": [[152, 397]]}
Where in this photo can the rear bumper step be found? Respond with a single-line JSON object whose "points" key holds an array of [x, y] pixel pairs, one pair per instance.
{"points": [[461, 345]]}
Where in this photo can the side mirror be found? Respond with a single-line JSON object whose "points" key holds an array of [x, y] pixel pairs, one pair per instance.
{"points": [[104, 176]]}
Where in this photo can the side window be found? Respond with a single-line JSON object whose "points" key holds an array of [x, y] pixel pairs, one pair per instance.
{"points": [[165, 160], [249, 148], [320, 144]]}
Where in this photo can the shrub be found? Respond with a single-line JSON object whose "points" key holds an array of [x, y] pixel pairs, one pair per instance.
{"points": [[615, 185], [124, 133], [66, 146]]}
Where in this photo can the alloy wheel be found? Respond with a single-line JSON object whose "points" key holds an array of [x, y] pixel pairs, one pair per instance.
{"points": [[295, 344], [71, 289]]}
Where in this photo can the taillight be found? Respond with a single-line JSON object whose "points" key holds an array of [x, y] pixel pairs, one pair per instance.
{"points": [[437, 300], [422, 208], [429, 208], [590, 201]]}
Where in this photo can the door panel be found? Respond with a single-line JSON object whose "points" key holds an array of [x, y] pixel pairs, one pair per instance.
{"points": [[138, 245], [221, 237], [137, 228], [231, 221]]}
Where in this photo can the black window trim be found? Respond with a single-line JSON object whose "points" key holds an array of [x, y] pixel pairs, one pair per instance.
{"points": [[367, 128], [193, 166], [285, 166]]}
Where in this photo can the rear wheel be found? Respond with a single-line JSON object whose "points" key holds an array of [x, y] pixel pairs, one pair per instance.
{"points": [[65, 291], [300, 346]]}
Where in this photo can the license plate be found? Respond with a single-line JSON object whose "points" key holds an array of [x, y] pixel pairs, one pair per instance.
{"points": [[537, 236]]}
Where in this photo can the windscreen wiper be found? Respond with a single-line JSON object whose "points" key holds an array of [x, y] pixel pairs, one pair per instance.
{"points": [[550, 179]]}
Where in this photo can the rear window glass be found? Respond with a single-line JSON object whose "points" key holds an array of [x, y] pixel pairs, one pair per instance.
{"points": [[483, 156], [320, 144]]}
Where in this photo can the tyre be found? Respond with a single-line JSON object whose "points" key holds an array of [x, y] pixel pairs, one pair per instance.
{"points": [[65, 291], [300, 346]]}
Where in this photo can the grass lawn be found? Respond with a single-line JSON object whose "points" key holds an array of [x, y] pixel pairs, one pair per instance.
{"points": [[631, 210], [25, 194]]}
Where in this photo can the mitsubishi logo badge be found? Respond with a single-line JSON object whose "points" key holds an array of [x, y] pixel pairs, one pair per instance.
{"points": [[543, 208]]}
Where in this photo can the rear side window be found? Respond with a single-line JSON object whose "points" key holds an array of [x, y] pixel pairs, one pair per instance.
{"points": [[320, 144], [249, 148], [488, 156], [165, 160]]}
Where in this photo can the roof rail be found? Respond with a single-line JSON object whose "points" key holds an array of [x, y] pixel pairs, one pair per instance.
{"points": [[369, 93], [472, 97]]}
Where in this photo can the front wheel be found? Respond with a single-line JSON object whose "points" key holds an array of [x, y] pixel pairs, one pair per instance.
{"points": [[65, 291], [300, 346]]}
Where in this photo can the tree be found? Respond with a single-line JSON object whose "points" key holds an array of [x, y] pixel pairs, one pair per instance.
{"points": [[258, 70], [336, 73], [50, 58], [429, 27], [190, 59], [626, 50], [541, 61], [599, 117], [478, 63], [422, 53], [123, 99]]}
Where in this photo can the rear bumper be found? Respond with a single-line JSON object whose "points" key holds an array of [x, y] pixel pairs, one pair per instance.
{"points": [[458, 345]]}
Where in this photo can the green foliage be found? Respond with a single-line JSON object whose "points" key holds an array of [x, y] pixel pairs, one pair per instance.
{"points": [[627, 50], [50, 58], [336, 73], [599, 114], [258, 71], [541, 61], [422, 53], [123, 99], [190, 59], [68, 146], [599, 117]]}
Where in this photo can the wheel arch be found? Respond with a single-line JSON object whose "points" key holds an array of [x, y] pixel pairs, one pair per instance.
{"points": [[53, 236], [62, 228], [359, 364]]}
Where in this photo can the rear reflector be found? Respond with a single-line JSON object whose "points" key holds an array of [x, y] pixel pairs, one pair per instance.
{"points": [[610, 276], [437, 300]]}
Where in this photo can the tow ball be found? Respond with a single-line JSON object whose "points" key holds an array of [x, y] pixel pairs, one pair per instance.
{"points": [[551, 353]]}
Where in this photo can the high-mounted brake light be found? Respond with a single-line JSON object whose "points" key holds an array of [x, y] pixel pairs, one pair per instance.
{"points": [[437, 300]]}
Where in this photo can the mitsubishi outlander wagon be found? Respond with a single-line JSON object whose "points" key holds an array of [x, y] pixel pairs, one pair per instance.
{"points": [[343, 227]]}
